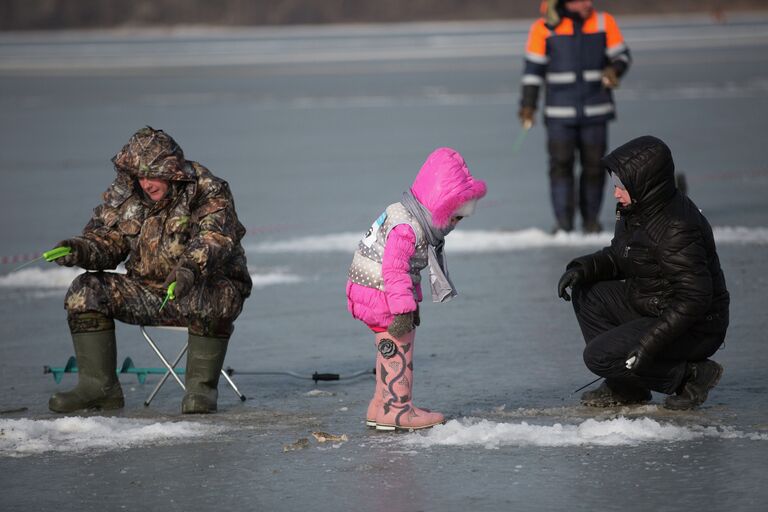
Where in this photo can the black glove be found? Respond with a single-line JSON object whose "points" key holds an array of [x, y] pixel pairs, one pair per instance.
{"points": [[572, 277], [185, 275], [77, 257], [638, 358], [416, 317], [401, 325]]}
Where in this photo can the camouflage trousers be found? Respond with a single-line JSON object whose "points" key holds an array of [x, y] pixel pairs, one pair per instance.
{"points": [[209, 309]]}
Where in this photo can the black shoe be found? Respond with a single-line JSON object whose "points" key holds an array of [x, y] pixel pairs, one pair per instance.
{"points": [[701, 377], [592, 227], [561, 227], [605, 396]]}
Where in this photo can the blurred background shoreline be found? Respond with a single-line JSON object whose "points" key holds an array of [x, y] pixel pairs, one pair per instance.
{"points": [[26, 15]]}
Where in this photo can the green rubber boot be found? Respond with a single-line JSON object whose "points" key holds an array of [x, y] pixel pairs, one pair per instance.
{"points": [[97, 385], [205, 357]]}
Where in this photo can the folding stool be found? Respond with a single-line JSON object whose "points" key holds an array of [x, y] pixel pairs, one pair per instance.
{"points": [[170, 367]]}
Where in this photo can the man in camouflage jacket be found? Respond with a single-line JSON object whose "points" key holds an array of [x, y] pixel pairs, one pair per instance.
{"points": [[170, 220]]}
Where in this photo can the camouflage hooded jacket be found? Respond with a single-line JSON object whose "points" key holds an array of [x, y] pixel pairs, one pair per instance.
{"points": [[195, 222]]}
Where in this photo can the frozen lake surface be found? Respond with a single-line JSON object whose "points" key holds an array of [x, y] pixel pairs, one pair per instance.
{"points": [[317, 130]]}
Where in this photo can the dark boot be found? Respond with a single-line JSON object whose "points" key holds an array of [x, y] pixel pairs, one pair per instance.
{"points": [[562, 225], [700, 378], [592, 227], [613, 394], [205, 357], [97, 385]]}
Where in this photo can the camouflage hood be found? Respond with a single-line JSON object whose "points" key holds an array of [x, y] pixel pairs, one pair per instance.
{"points": [[153, 154]]}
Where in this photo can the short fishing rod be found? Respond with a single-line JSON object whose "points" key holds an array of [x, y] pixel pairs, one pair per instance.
{"points": [[48, 256], [586, 385], [527, 125]]}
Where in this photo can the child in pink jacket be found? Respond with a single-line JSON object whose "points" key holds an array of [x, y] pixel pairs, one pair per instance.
{"points": [[384, 286]]}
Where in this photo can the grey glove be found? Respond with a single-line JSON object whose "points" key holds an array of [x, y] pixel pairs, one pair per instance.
{"points": [[77, 257], [185, 275], [401, 325]]}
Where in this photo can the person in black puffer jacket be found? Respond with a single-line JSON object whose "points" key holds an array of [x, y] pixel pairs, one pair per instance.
{"points": [[653, 306]]}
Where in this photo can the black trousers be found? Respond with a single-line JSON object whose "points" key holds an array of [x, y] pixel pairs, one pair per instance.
{"points": [[612, 328]]}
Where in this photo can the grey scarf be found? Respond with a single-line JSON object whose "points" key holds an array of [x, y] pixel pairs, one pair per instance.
{"points": [[442, 287]]}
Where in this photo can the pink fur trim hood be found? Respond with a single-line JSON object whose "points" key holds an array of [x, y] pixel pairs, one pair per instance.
{"points": [[444, 184]]}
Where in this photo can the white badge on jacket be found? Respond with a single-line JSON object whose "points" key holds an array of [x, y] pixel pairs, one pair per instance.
{"points": [[370, 236]]}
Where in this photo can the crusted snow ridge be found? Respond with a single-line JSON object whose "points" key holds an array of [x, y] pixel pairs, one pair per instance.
{"points": [[614, 432]]}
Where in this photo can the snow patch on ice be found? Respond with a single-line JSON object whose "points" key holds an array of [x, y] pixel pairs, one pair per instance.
{"points": [[337, 242], [76, 434], [316, 393], [531, 238], [584, 412], [740, 235], [62, 277], [459, 241], [479, 241], [274, 278], [36, 277], [615, 432]]}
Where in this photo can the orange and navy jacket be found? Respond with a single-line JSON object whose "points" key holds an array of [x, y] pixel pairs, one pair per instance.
{"points": [[569, 59]]}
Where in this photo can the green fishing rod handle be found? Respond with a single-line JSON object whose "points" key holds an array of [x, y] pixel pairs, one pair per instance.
{"points": [[56, 253], [171, 289], [168, 295]]}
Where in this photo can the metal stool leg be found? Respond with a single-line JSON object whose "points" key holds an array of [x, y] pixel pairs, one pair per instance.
{"points": [[232, 385], [170, 370], [170, 367], [165, 377]]}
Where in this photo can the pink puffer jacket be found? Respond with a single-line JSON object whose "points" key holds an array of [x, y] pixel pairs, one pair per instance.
{"points": [[443, 185]]}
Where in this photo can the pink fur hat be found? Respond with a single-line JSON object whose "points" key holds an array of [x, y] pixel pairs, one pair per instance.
{"points": [[444, 184]]}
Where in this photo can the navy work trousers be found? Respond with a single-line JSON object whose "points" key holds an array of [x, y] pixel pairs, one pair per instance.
{"points": [[563, 142]]}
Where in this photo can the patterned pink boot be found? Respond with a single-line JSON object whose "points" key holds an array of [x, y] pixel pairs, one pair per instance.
{"points": [[394, 369], [380, 392]]}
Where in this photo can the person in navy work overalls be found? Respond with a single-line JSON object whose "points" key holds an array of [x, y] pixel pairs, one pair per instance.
{"points": [[579, 54]]}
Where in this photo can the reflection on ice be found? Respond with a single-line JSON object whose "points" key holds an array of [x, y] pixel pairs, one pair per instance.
{"points": [[615, 432]]}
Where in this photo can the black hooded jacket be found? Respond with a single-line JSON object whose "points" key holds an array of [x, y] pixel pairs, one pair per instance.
{"points": [[663, 247]]}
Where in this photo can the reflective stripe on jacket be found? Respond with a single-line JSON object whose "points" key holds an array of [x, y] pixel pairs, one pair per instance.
{"points": [[569, 60]]}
